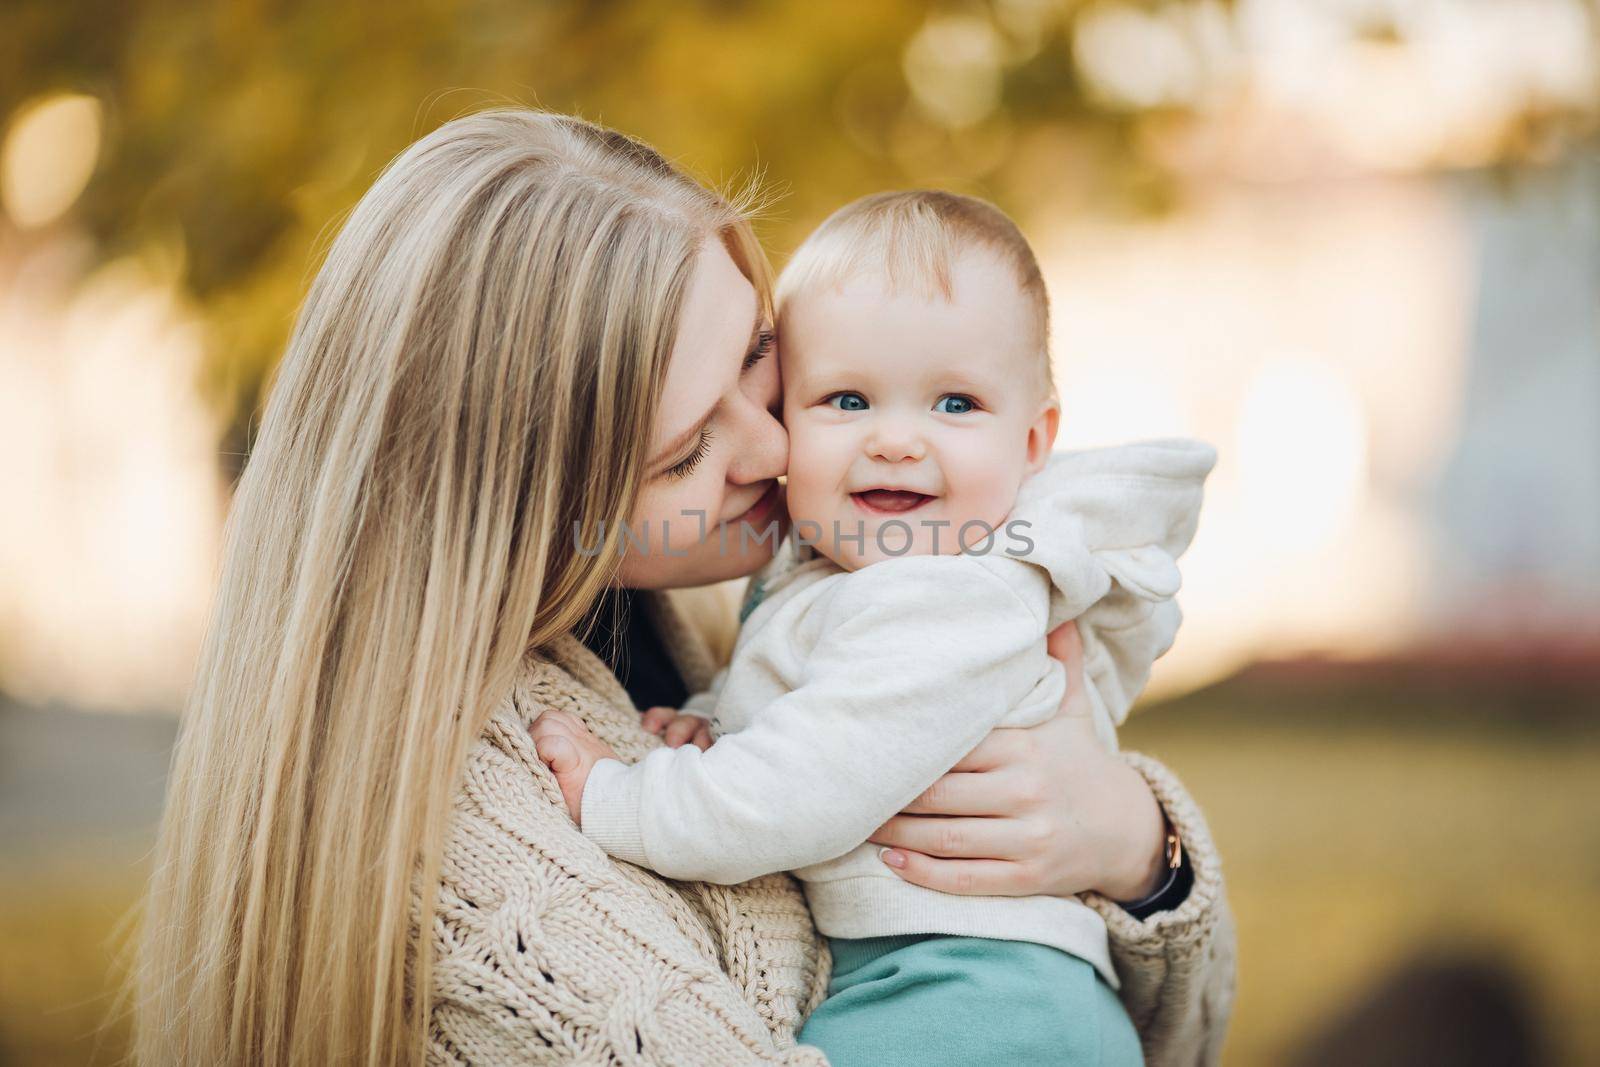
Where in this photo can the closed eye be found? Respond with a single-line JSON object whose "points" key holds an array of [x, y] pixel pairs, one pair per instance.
{"points": [[685, 466], [761, 350]]}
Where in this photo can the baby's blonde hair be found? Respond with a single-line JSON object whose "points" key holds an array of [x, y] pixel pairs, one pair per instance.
{"points": [[913, 238]]}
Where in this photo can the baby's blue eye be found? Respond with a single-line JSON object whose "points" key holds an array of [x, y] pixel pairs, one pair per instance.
{"points": [[954, 404], [848, 401]]}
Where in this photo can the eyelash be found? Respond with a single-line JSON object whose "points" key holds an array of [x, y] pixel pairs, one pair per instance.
{"points": [[969, 398], [762, 349], [685, 466]]}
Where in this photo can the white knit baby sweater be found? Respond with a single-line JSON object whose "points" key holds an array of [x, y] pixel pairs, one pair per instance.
{"points": [[850, 692], [548, 951]]}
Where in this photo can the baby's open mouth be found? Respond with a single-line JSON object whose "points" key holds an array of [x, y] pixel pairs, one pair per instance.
{"points": [[890, 500]]}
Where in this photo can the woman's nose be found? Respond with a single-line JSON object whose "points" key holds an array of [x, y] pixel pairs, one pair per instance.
{"points": [[761, 445]]}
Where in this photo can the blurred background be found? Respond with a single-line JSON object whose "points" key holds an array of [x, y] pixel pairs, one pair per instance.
{"points": [[1353, 243]]}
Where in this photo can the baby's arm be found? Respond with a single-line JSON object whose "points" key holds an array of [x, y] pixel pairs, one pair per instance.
{"points": [[704, 703], [571, 750], [895, 693], [690, 724]]}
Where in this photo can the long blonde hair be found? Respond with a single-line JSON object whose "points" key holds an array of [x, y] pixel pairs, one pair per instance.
{"points": [[473, 372]]}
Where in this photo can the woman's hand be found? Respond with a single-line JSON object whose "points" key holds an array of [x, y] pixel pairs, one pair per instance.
{"points": [[571, 752], [1042, 810], [678, 728]]}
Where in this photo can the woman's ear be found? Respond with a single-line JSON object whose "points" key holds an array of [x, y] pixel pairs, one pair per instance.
{"points": [[1042, 434]]}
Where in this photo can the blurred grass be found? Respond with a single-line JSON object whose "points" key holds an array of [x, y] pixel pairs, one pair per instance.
{"points": [[1361, 828], [1355, 829], [62, 925]]}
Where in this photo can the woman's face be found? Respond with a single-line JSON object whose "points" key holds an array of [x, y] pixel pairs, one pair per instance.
{"points": [[711, 504]]}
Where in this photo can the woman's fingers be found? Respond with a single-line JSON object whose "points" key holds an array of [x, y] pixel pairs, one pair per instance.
{"points": [[966, 877], [959, 838], [1065, 643], [702, 736], [999, 747], [965, 793]]}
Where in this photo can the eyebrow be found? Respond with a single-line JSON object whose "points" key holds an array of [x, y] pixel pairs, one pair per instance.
{"points": [[965, 383], [677, 444]]}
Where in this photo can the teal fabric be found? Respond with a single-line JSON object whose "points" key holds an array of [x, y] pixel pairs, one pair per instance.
{"points": [[930, 999]]}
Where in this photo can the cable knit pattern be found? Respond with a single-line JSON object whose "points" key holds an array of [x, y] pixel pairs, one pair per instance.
{"points": [[1177, 967], [548, 951]]}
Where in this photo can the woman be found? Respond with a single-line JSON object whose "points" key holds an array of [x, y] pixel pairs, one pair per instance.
{"points": [[530, 333]]}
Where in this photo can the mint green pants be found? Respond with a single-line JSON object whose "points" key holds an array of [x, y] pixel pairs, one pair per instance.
{"points": [[929, 999]]}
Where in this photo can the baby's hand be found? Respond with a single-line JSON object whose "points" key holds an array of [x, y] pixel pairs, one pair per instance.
{"points": [[679, 727], [571, 752]]}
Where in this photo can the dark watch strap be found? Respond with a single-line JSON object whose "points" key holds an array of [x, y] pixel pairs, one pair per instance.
{"points": [[1172, 893]]}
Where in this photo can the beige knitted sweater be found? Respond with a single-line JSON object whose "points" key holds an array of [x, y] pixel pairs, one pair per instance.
{"points": [[548, 951]]}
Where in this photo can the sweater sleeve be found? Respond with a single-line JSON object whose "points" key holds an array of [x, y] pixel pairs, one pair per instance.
{"points": [[704, 703], [892, 697], [544, 952], [1109, 525], [1177, 967]]}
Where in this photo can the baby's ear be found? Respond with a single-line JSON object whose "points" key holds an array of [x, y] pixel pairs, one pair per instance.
{"points": [[1042, 434]]}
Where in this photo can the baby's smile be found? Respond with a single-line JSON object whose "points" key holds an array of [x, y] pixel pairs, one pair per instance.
{"points": [[910, 416], [885, 501]]}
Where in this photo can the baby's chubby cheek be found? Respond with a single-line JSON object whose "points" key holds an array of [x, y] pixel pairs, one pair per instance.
{"points": [[815, 482], [967, 512], [981, 491]]}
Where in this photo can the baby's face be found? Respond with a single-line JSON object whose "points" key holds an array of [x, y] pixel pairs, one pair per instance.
{"points": [[908, 412]]}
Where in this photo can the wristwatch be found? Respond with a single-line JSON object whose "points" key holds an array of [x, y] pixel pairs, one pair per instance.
{"points": [[1174, 889]]}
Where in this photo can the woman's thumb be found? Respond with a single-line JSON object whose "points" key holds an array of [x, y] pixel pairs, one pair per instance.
{"points": [[1065, 643]]}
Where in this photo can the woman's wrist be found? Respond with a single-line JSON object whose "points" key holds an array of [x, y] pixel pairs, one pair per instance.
{"points": [[1169, 897], [1152, 876], [1166, 891], [1143, 867]]}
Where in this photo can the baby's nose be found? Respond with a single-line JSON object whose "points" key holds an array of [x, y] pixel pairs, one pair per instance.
{"points": [[893, 441]]}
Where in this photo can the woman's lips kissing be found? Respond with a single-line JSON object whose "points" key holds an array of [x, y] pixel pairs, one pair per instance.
{"points": [[762, 509], [889, 501]]}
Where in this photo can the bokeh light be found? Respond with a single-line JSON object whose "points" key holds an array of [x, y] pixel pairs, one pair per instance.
{"points": [[48, 157], [1355, 244]]}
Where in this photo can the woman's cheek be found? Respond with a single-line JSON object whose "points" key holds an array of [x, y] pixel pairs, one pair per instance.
{"points": [[674, 540], [695, 512], [667, 517]]}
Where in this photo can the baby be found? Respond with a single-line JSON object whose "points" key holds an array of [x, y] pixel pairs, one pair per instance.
{"points": [[936, 541]]}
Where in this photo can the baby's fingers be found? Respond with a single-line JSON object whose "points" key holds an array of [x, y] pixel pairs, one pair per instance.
{"points": [[559, 753], [656, 719], [683, 729], [554, 722], [551, 728]]}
